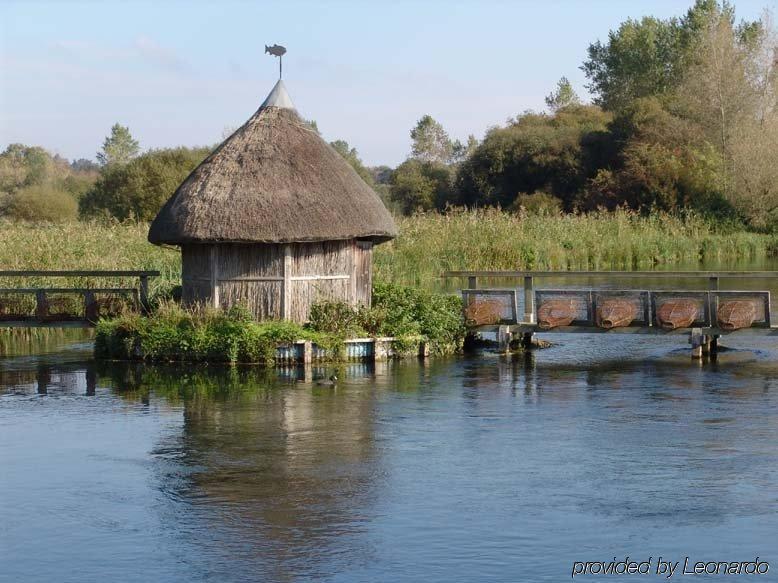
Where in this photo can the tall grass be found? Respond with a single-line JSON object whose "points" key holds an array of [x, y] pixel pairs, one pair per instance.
{"points": [[84, 246], [428, 244], [492, 239]]}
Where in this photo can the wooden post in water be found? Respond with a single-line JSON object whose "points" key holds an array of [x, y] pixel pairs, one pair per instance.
{"points": [[526, 340], [503, 338], [696, 341], [706, 341]]}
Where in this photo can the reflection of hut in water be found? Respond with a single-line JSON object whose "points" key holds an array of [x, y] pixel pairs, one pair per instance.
{"points": [[282, 473], [274, 219]]}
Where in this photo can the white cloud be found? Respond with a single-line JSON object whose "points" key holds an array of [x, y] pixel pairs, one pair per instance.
{"points": [[165, 57], [143, 49]]}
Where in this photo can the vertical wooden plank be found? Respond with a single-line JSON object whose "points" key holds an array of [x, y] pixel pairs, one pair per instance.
{"points": [[363, 273], [215, 276], [286, 287], [695, 340], [355, 266], [529, 299], [91, 313], [713, 299], [41, 309], [472, 282], [144, 293]]}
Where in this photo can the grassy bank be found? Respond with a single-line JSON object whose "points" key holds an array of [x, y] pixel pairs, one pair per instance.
{"points": [[427, 245], [172, 334]]}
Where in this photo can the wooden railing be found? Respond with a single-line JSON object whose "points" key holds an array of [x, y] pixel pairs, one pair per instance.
{"points": [[13, 314]]}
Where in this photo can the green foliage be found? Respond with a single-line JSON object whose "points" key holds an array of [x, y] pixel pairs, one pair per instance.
{"points": [[432, 243], [536, 152], [563, 96], [42, 204], [647, 58], [175, 334], [139, 188], [408, 311], [336, 317], [35, 186], [421, 186], [118, 148], [172, 333]]}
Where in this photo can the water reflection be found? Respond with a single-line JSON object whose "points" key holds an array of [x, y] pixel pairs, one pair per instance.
{"points": [[486, 467]]}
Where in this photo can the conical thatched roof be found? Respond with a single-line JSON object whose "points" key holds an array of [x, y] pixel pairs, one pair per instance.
{"points": [[275, 180]]}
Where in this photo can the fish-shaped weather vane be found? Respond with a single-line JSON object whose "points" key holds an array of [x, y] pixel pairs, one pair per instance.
{"points": [[277, 51]]}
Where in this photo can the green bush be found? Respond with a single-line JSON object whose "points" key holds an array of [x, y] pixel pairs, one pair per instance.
{"points": [[42, 203], [201, 335], [173, 333], [139, 188]]}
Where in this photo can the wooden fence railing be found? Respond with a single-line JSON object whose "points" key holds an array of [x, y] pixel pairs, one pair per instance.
{"points": [[52, 306]]}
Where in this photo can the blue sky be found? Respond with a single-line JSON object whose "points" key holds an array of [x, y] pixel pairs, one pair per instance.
{"points": [[181, 73]]}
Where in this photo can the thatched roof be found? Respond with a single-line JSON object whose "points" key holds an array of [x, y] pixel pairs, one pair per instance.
{"points": [[275, 180]]}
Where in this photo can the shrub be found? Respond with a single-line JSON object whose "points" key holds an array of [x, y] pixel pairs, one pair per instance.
{"points": [[42, 203]]}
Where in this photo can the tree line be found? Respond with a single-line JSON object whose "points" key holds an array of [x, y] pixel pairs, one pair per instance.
{"points": [[684, 116]]}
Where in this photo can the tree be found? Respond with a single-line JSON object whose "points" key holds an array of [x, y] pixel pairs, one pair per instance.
{"points": [[461, 152], [564, 96], [84, 165], [729, 90], [138, 189], [663, 162], [421, 186], [648, 57], [430, 142], [535, 153], [118, 148], [352, 157]]}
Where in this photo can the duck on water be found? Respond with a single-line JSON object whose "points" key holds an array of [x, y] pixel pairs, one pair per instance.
{"points": [[332, 382]]}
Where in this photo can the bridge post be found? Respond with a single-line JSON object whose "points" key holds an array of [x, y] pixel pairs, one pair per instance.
{"points": [[696, 340], [504, 338], [529, 299], [706, 345], [41, 309], [472, 282], [91, 311]]}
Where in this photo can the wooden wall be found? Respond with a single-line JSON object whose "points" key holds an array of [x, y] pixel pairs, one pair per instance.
{"points": [[277, 281]]}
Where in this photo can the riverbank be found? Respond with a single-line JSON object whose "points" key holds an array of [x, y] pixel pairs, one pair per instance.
{"points": [[410, 317], [428, 245]]}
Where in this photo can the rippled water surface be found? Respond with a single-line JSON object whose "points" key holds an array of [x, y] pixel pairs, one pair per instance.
{"points": [[483, 468]]}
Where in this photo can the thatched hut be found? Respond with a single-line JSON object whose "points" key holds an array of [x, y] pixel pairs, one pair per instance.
{"points": [[274, 219]]}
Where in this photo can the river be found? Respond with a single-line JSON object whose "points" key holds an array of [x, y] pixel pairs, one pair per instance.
{"points": [[478, 468]]}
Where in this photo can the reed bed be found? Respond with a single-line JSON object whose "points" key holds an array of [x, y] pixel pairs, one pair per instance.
{"points": [[428, 245], [492, 239]]}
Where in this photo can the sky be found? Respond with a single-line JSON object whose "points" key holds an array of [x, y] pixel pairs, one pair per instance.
{"points": [[186, 72]]}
